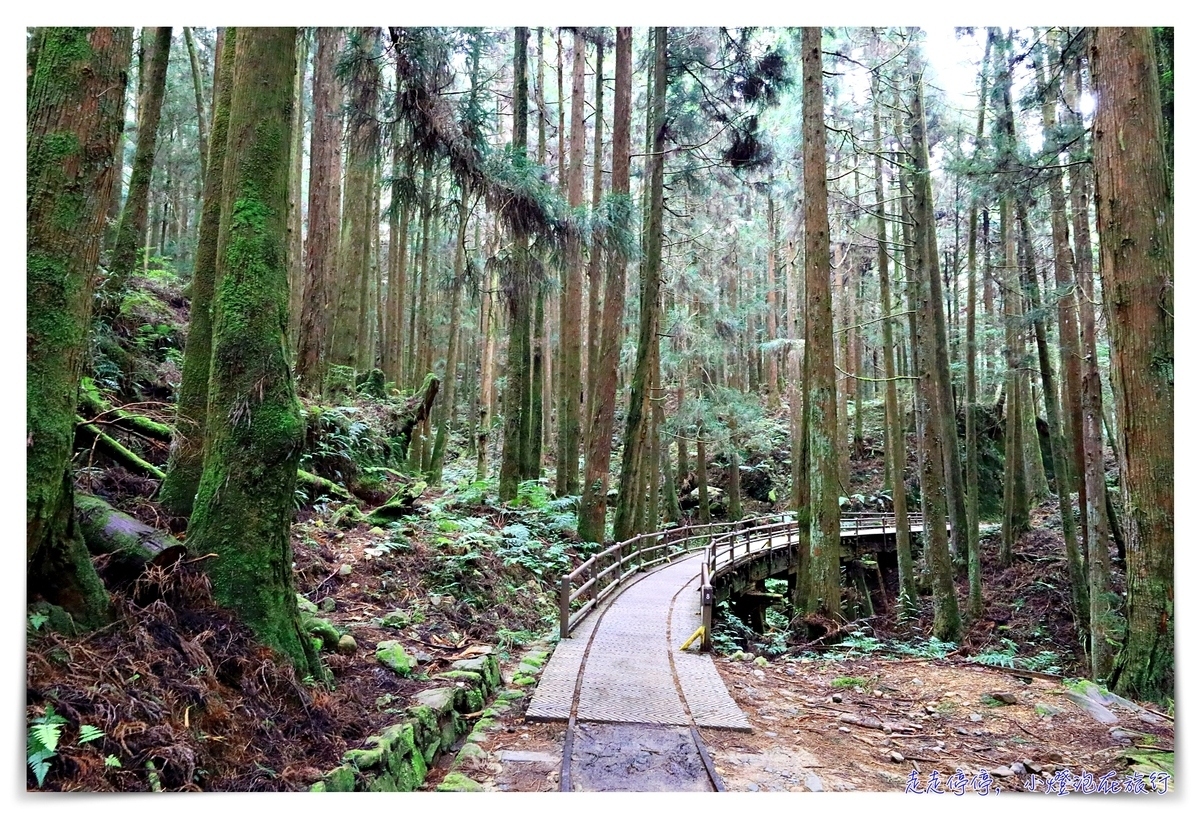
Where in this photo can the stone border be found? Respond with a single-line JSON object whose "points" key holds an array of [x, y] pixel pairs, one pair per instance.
{"points": [[398, 759]]}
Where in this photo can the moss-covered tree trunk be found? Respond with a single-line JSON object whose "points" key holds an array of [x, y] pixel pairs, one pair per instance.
{"points": [[445, 413], [651, 270], [75, 113], [597, 458], [825, 544], [1016, 498], [254, 437], [186, 461], [324, 212], [135, 214], [1137, 266]]}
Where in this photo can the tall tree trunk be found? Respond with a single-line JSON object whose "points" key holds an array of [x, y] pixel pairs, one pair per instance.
{"points": [[1094, 498], [825, 544], [186, 462], [772, 330], [1137, 245], [907, 585], [198, 87], [974, 571], [595, 268], [570, 384], [135, 215], [651, 271], [255, 435], [938, 466], [75, 110], [1016, 497], [295, 261], [517, 293], [324, 212], [449, 377], [354, 254]]}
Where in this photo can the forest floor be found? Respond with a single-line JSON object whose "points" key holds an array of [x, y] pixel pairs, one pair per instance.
{"points": [[185, 698]]}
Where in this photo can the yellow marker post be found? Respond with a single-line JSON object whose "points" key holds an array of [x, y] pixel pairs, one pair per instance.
{"points": [[699, 632]]}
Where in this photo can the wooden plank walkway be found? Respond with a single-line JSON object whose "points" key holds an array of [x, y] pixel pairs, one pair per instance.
{"points": [[629, 658]]}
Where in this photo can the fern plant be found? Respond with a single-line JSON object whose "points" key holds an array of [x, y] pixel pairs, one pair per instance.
{"points": [[42, 744]]}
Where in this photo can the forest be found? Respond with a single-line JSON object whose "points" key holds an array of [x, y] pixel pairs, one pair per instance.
{"points": [[345, 346]]}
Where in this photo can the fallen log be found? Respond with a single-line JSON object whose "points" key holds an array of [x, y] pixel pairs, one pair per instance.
{"points": [[92, 404], [132, 545], [315, 486], [91, 436]]}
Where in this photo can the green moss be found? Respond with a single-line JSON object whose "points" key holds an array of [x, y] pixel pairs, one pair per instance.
{"points": [[457, 782], [340, 779], [467, 677]]}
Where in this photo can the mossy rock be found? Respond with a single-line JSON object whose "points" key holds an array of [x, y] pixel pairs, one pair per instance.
{"points": [[467, 677], [347, 645], [524, 681], [485, 666], [365, 759], [457, 782], [391, 654], [438, 700], [305, 606], [395, 619], [470, 751], [340, 779], [324, 630]]}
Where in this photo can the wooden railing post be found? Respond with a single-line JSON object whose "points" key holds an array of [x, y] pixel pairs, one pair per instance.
{"points": [[564, 608]]}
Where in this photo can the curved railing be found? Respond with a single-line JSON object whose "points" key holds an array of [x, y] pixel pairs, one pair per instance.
{"points": [[726, 545]]}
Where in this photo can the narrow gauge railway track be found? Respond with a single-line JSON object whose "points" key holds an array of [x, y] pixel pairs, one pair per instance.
{"points": [[565, 778]]}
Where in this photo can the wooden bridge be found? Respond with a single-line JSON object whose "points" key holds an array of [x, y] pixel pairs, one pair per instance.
{"points": [[625, 612]]}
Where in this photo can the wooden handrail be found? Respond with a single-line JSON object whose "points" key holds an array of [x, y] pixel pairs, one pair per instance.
{"points": [[721, 541]]}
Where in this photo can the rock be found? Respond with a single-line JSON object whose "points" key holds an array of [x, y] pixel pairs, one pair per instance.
{"points": [[1032, 766], [843, 729], [769, 734], [1001, 772], [761, 661], [391, 654], [324, 630], [976, 717], [1018, 768], [1043, 709], [836, 698], [813, 782], [305, 605], [896, 756], [345, 571], [457, 782], [1006, 698], [961, 731], [347, 645], [395, 619], [422, 657], [758, 674], [328, 604], [917, 682], [752, 787]]}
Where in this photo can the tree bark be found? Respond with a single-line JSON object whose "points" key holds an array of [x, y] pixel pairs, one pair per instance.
{"points": [[651, 270], [135, 215], [1137, 244], [570, 384], [324, 212], [933, 384], [598, 456], [75, 111], [243, 510], [825, 545], [186, 461]]}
